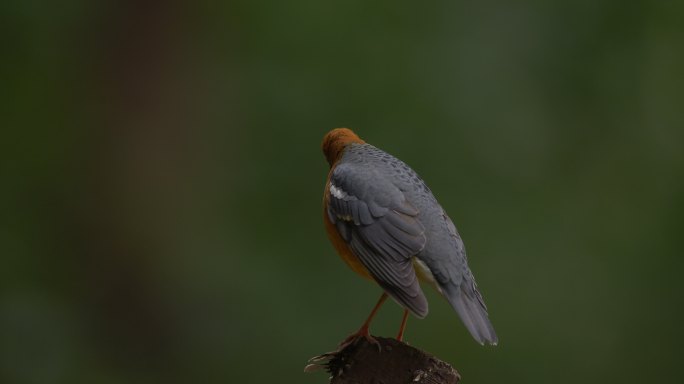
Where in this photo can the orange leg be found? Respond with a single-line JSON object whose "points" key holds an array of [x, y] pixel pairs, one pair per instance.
{"points": [[364, 330], [400, 336]]}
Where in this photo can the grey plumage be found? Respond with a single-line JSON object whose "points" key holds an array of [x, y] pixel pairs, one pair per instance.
{"points": [[388, 216]]}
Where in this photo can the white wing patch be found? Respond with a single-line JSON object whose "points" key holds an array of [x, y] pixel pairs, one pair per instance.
{"points": [[340, 194]]}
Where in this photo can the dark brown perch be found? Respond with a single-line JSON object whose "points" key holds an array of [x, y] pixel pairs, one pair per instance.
{"points": [[394, 362]]}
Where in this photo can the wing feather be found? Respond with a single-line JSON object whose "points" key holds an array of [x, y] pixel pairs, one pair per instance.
{"points": [[381, 228]]}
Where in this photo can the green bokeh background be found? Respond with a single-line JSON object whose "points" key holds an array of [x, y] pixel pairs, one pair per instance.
{"points": [[160, 205]]}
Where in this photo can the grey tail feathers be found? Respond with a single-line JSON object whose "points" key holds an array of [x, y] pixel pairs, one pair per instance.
{"points": [[468, 303]]}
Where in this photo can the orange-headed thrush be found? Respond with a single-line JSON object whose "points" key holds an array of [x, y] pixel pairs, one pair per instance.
{"points": [[387, 226]]}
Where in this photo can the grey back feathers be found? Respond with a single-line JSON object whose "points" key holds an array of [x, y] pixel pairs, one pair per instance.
{"points": [[388, 216]]}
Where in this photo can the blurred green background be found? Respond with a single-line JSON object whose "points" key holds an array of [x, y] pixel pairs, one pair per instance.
{"points": [[160, 208]]}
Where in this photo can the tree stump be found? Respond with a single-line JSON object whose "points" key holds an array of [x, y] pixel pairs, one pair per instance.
{"points": [[391, 362]]}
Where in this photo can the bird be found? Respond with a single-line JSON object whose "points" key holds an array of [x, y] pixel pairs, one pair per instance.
{"points": [[386, 224]]}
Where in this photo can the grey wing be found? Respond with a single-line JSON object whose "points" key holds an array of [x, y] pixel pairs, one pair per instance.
{"points": [[382, 230]]}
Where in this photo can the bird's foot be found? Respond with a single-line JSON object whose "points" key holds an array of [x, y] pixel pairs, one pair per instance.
{"points": [[354, 338]]}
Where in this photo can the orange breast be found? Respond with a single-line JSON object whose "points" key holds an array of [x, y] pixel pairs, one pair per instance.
{"points": [[337, 240]]}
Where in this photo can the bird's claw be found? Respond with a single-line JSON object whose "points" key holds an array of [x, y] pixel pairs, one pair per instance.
{"points": [[355, 337]]}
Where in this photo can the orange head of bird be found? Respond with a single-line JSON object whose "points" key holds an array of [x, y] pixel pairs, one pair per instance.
{"points": [[335, 141]]}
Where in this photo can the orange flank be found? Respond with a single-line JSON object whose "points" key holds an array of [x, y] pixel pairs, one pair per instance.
{"points": [[337, 241]]}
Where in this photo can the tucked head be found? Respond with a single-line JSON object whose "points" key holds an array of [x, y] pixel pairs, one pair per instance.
{"points": [[335, 141]]}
